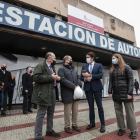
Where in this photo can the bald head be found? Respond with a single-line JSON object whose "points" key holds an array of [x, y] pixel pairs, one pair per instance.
{"points": [[3, 66]]}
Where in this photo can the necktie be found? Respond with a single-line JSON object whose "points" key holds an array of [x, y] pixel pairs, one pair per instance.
{"points": [[52, 73], [30, 75], [90, 68]]}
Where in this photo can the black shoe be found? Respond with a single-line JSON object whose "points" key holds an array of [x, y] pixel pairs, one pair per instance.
{"points": [[40, 139], [3, 113], [35, 106], [121, 132], [102, 130], [10, 108], [29, 110], [25, 112], [53, 134], [90, 126], [133, 135]]}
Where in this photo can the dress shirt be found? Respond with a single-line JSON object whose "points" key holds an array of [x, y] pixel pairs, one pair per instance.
{"points": [[3, 71], [50, 70], [92, 66], [49, 66]]}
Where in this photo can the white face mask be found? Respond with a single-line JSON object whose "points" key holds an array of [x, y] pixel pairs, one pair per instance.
{"points": [[88, 60]]}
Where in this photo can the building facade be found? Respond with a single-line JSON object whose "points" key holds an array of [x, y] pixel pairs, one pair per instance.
{"points": [[30, 28]]}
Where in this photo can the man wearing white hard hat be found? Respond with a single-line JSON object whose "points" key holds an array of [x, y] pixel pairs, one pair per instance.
{"points": [[70, 91]]}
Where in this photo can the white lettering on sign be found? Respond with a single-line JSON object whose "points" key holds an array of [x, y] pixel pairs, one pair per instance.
{"points": [[131, 47], [44, 27], [103, 41], [70, 32], [57, 29], [120, 47], [136, 52], [1, 12], [111, 44], [28, 20], [32, 18], [90, 38], [76, 31], [126, 50], [11, 12]]}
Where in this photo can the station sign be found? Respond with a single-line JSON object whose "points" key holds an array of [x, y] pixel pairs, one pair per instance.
{"points": [[28, 20]]}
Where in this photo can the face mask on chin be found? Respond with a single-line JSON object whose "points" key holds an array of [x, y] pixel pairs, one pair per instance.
{"points": [[88, 60]]}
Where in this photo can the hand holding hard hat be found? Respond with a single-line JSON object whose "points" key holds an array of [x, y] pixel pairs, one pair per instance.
{"points": [[78, 93]]}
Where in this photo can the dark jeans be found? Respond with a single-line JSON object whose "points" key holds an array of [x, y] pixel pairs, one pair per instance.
{"points": [[98, 99], [4, 99], [10, 96], [26, 102], [136, 90]]}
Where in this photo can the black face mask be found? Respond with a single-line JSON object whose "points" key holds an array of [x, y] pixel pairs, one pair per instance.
{"points": [[70, 63], [53, 63], [3, 68]]}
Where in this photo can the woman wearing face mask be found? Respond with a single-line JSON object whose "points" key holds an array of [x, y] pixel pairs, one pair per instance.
{"points": [[121, 90]]}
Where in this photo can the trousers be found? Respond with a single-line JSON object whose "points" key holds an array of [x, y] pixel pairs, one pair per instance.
{"points": [[40, 116], [67, 113], [130, 116]]}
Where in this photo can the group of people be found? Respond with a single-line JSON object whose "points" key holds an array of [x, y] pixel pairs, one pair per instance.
{"points": [[7, 84], [120, 90], [40, 89]]}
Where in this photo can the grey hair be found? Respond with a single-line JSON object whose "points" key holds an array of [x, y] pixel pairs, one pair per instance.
{"points": [[49, 54], [66, 57]]}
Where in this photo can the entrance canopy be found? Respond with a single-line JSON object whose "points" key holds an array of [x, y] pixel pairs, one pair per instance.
{"points": [[29, 33]]}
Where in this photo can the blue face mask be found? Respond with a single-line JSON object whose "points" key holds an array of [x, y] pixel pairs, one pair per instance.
{"points": [[114, 61], [31, 71]]}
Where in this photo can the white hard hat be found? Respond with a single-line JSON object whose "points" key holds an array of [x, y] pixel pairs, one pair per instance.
{"points": [[78, 93]]}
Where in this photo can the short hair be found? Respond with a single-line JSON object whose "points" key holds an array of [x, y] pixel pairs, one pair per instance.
{"points": [[91, 54], [28, 68], [66, 57], [49, 54]]}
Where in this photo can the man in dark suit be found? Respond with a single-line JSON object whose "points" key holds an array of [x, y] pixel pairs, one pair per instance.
{"points": [[27, 82], [5, 78], [11, 90], [91, 74]]}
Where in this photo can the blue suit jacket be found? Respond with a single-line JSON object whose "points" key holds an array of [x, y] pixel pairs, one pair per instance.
{"points": [[97, 74]]}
